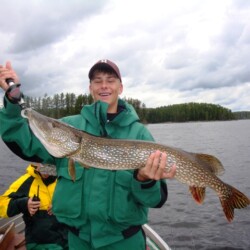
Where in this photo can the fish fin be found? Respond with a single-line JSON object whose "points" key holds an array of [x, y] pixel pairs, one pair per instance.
{"points": [[236, 199], [83, 164], [198, 193], [86, 166], [211, 163], [71, 169]]}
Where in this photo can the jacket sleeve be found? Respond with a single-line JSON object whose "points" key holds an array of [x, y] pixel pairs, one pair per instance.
{"points": [[13, 202], [150, 193], [16, 134]]}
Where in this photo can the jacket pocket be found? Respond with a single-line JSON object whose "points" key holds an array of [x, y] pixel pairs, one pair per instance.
{"points": [[67, 197], [123, 206]]}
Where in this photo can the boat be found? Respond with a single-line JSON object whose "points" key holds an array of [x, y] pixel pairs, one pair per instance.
{"points": [[154, 240], [10, 239], [12, 235]]}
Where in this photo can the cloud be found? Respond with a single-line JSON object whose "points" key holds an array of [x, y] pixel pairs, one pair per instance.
{"points": [[168, 52], [41, 23]]}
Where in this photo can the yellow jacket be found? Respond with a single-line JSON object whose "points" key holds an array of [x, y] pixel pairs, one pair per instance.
{"points": [[12, 201]]}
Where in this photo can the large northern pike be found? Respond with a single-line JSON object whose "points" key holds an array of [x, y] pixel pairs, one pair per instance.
{"points": [[198, 171]]}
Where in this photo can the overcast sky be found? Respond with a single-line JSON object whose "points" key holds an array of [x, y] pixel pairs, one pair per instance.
{"points": [[168, 51]]}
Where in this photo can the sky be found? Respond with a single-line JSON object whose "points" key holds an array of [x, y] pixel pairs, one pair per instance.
{"points": [[168, 51]]}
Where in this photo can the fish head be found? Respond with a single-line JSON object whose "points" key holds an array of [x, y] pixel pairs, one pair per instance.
{"points": [[59, 139]]}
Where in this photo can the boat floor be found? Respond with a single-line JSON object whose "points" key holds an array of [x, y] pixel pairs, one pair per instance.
{"points": [[10, 239]]}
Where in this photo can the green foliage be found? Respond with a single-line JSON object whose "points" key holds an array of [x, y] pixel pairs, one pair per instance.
{"points": [[59, 105], [69, 104], [242, 115], [139, 107], [189, 112]]}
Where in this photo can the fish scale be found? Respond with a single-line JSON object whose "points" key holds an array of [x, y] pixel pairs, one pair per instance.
{"points": [[198, 171]]}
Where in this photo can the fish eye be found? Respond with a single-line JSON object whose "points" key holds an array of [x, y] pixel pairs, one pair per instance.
{"points": [[24, 113]]}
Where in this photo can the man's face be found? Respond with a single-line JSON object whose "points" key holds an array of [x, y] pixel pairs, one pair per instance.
{"points": [[107, 88]]}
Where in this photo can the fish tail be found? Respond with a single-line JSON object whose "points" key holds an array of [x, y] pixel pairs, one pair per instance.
{"points": [[198, 193], [236, 199]]}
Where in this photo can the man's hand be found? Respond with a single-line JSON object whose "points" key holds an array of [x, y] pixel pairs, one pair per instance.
{"points": [[49, 210], [155, 168], [5, 73], [33, 206]]}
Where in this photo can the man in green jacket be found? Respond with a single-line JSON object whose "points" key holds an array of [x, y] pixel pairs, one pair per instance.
{"points": [[103, 209]]}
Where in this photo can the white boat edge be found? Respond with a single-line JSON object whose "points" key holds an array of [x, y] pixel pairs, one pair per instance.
{"points": [[154, 240]]}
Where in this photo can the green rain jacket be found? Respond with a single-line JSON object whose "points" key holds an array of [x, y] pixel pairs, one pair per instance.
{"points": [[101, 205], [41, 228]]}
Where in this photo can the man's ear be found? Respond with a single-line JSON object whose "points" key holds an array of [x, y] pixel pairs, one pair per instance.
{"points": [[121, 88], [90, 89]]}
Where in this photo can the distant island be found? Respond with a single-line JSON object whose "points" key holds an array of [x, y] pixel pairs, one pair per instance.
{"points": [[62, 104]]}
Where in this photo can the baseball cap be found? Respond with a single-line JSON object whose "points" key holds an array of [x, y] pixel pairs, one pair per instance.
{"points": [[105, 64]]}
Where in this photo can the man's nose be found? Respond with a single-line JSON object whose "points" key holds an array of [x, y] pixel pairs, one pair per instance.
{"points": [[104, 84]]}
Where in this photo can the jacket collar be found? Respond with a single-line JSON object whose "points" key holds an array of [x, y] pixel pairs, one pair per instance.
{"points": [[32, 171], [96, 114]]}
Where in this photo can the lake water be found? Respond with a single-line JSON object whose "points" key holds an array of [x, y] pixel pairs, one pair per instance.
{"points": [[181, 222]]}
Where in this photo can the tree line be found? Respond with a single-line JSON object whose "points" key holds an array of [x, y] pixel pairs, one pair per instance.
{"points": [[242, 115], [69, 104]]}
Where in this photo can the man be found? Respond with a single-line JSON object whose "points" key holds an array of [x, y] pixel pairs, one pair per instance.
{"points": [[103, 209], [31, 194]]}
